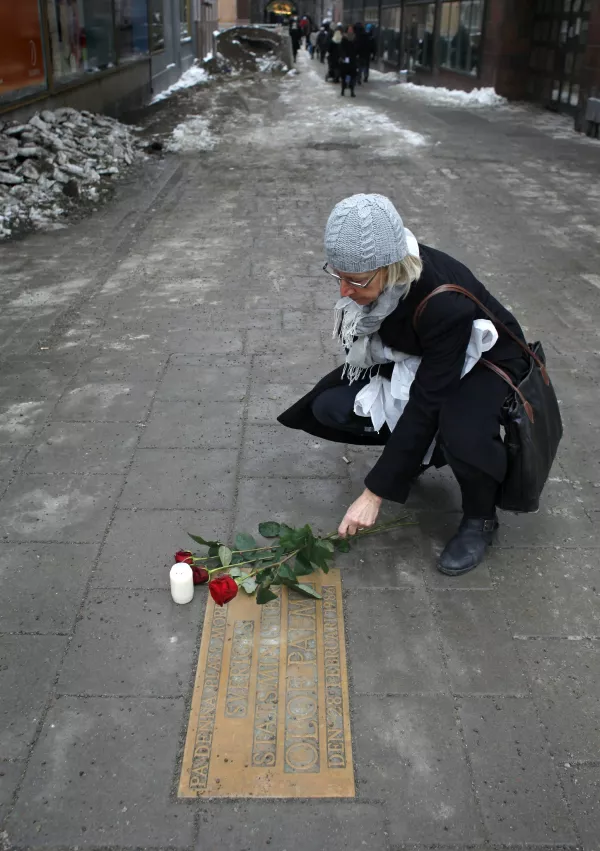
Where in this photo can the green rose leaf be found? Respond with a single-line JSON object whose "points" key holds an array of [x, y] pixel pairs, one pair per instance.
{"points": [[204, 543], [235, 571], [307, 590], [286, 572], [343, 545], [244, 542], [269, 529], [213, 551], [265, 595], [225, 556], [250, 584], [326, 545]]}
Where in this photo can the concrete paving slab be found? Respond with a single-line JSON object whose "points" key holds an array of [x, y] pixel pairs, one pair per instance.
{"points": [[258, 342], [10, 774], [58, 508], [480, 653], [197, 382], [518, 787], [83, 448], [394, 648], [80, 791], [117, 401], [273, 450], [36, 375], [307, 365], [28, 665], [548, 591], [190, 424], [140, 545], [293, 501], [43, 585], [246, 826], [20, 421], [412, 745], [133, 643], [11, 458], [181, 478], [268, 400], [112, 365], [565, 680], [582, 787], [376, 563]]}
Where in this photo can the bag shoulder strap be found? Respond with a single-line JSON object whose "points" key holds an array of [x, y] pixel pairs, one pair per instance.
{"points": [[504, 375], [454, 288]]}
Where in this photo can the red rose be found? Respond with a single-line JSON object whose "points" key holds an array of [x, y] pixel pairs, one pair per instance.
{"points": [[200, 574], [184, 555], [222, 589]]}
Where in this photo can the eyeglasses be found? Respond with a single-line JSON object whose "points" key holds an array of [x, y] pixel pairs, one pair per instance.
{"points": [[341, 278]]}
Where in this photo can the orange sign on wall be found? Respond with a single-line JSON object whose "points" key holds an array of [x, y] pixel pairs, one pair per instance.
{"points": [[21, 53]]}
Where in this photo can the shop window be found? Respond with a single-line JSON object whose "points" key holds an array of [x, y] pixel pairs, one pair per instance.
{"points": [[185, 28], [418, 34], [132, 28], [22, 67], [81, 36], [390, 34], [157, 25], [460, 34]]}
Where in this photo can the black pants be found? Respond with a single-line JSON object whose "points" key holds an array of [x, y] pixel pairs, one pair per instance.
{"points": [[335, 408]]}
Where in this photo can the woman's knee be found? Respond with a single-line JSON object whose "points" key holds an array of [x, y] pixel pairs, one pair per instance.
{"points": [[331, 408]]}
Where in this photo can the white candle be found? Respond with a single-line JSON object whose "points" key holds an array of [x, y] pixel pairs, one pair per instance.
{"points": [[182, 582]]}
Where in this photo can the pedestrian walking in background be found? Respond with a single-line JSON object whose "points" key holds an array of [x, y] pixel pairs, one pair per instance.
{"points": [[313, 44], [322, 39], [366, 49], [384, 275], [296, 36], [348, 61], [334, 55]]}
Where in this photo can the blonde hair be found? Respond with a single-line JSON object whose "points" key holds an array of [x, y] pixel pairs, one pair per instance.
{"points": [[404, 273]]}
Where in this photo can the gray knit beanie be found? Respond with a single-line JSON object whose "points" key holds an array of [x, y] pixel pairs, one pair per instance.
{"points": [[364, 233]]}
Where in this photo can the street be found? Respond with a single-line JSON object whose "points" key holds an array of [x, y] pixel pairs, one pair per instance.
{"points": [[146, 351]]}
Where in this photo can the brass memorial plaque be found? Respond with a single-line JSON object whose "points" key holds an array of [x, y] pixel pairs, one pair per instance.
{"points": [[270, 714]]}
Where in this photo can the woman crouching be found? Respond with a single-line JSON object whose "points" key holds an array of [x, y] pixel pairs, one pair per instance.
{"points": [[412, 380]]}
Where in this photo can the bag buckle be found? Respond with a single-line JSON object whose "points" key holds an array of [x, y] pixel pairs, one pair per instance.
{"points": [[488, 525]]}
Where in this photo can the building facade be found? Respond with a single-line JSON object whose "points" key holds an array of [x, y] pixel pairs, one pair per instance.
{"points": [[545, 51], [107, 56]]}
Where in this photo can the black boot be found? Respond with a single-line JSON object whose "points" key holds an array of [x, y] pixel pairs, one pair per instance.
{"points": [[467, 548], [343, 90], [352, 94]]}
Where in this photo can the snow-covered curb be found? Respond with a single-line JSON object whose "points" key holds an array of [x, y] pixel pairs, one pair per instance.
{"points": [[54, 159], [194, 76]]}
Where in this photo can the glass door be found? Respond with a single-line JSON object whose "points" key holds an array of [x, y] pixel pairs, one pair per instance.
{"points": [[560, 33]]}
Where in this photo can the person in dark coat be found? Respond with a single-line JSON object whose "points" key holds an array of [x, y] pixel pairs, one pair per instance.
{"points": [[296, 36], [334, 54], [367, 48], [348, 61], [322, 39], [384, 275]]}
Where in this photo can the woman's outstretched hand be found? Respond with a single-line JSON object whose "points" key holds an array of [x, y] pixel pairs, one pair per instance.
{"points": [[362, 514]]}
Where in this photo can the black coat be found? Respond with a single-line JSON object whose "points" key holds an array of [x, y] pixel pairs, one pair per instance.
{"points": [[441, 340], [348, 51]]}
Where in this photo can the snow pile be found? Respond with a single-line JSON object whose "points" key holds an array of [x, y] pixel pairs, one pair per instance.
{"points": [[192, 135], [453, 97], [390, 76], [55, 158], [270, 64], [194, 76]]}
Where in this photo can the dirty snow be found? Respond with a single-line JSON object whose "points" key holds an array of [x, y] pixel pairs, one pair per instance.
{"points": [[54, 159], [193, 134], [452, 97], [327, 119], [194, 76]]}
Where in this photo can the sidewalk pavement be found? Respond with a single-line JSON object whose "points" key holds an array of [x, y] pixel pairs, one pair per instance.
{"points": [[145, 354]]}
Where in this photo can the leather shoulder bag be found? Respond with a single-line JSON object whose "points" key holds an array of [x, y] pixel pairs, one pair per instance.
{"points": [[532, 421]]}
